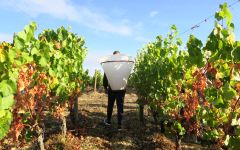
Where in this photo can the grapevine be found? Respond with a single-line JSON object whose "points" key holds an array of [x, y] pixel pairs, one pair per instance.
{"points": [[37, 80], [194, 90]]}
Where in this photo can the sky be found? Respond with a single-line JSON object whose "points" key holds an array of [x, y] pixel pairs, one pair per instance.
{"points": [[108, 25]]}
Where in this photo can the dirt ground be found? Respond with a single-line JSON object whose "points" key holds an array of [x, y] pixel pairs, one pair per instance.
{"points": [[133, 135], [92, 134]]}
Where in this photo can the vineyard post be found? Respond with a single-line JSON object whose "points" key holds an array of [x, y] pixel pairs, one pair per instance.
{"points": [[76, 119], [95, 82], [141, 111], [178, 142], [64, 127], [141, 107], [40, 139]]}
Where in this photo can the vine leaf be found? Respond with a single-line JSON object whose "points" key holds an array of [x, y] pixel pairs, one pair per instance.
{"points": [[224, 13], [7, 87], [6, 102]]}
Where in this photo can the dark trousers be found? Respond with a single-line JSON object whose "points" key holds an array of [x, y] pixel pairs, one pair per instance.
{"points": [[119, 96]]}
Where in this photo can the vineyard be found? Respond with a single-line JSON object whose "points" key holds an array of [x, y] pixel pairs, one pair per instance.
{"points": [[36, 80], [192, 91]]}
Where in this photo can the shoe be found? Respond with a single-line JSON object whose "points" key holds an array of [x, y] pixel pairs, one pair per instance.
{"points": [[119, 128], [106, 122]]}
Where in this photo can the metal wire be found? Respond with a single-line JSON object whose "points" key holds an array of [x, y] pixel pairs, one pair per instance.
{"points": [[205, 20]]}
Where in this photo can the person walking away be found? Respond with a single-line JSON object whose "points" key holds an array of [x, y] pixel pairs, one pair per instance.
{"points": [[113, 95]]}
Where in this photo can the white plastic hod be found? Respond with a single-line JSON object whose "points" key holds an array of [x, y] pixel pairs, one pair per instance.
{"points": [[117, 69]]}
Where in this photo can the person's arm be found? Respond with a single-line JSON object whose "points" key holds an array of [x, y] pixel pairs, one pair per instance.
{"points": [[105, 82]]}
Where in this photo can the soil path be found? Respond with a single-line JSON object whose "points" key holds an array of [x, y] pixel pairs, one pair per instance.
{"points": [[92, 108], [92, 134]]}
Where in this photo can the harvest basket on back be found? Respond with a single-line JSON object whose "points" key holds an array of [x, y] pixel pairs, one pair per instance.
{"points": [[117, 69]]}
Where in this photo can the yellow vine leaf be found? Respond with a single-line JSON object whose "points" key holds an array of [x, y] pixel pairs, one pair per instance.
{"points": [[2, 55]]}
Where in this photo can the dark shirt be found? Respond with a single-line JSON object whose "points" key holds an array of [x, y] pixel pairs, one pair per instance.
{"points": [[105, 82]]}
